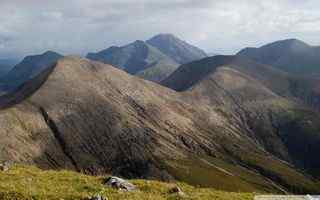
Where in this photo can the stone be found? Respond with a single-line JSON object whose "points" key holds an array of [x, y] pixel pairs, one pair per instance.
{"points": [[177, 190], [5, 166], [120, 184]]}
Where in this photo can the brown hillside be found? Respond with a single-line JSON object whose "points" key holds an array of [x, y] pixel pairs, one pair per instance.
{"points": [[91, 117]]}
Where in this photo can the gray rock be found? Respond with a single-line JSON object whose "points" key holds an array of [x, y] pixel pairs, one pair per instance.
{"points": [[120, 184], [5, 166], [177, 190]]}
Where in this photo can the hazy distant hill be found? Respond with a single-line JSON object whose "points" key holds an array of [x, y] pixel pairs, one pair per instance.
{"points": [[28, 68], [290, 55], [179, 50], [137, 57], [6, 65]]}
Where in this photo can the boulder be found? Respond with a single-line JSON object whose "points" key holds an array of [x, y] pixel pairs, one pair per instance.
{"points": [[177, 190], [5, 166], [120, 184]]}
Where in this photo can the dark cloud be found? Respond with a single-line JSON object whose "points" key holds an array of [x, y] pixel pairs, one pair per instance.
{"points": [[79, 26]]}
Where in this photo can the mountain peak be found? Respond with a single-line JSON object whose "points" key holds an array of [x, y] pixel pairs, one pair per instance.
{"points": [[177, 49], [291, 55], [288, 43], [50, 53], [138, 44]]}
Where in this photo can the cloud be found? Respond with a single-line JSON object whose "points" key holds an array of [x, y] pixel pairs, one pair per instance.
{"points": [[222, 26]]}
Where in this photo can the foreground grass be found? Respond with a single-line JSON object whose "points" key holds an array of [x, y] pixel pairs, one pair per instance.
{"points": [[25, 182]]}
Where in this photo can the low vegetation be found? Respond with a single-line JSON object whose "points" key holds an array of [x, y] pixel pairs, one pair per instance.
{"points": [[26, 182]]}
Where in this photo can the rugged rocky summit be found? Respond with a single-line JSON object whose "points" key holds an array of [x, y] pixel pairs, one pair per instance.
{"points": [[94, 118]]}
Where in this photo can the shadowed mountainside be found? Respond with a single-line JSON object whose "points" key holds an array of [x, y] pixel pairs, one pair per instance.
{"points": [[94, 118], [27, 69]]}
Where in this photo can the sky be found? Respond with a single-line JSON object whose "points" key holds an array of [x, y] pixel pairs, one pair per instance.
{"points": [[217, 26]]}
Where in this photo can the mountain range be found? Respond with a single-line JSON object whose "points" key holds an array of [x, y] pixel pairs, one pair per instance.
{"points": [[153, 60], [228, 122], [290, 55]]}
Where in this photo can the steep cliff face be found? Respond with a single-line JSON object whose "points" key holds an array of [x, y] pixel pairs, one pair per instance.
{"points": [[94, 118]]}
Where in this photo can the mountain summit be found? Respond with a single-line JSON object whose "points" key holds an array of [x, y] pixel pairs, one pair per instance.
{"points": [[290, 55], [177, 49], [153, 60], [137, 58]]}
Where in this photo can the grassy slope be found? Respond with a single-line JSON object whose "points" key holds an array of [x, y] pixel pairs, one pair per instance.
{"points": [[25, 182], [211, 172]]}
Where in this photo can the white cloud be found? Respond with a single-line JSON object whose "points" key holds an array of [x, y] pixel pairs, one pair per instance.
{"points": [[79, 26]]}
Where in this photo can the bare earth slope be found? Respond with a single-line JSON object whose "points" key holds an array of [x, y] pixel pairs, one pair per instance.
{"points": [[94, 118]]}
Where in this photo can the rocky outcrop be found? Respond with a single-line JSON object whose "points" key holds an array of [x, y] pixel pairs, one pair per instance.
{"points": [[5, 166], [120, 184], [177, 190]]}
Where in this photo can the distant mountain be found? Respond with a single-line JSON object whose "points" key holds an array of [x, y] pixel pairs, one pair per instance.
{"points": [[180, 51], [290, 55], [189, 75], [6, 65], [153, 60], [28, 68], [137, 57], [9, 61]]}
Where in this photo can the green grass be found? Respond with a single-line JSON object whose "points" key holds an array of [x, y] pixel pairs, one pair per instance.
{"points": [[26, 182], [207, 173]]}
